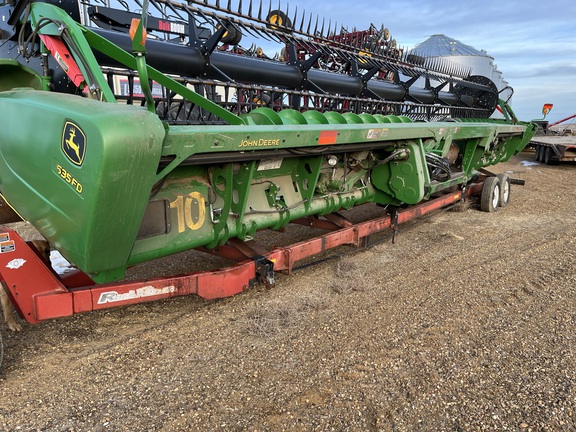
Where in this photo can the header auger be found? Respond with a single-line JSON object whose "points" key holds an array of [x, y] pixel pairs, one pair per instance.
{"points": [[128, 136]]}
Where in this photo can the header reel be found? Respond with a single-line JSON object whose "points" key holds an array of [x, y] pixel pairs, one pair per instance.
{"points": [[316, 66]]}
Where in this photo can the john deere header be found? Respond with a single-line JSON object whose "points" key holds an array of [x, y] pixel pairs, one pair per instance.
{"points": [[127, 136]]}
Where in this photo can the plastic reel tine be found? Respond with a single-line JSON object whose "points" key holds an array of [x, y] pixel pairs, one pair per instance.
{"points": [[359, 42], [426, 64], [311, 46], [269, 6], [216, 18], [307, 32], [254, 32], [295, 18], [332, 33], [125, 5], [174, 9], [461, 71], [192, 12], [285, 24], [322, 29], [455, 70], [260, 11], [158, 8], [316, 26], [442, 67], [240, 7], [274, 37]]}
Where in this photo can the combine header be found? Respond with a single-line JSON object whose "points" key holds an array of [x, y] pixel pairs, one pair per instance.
{"points": [[132, 135]]}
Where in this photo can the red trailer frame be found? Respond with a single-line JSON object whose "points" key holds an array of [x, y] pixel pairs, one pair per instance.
{"points": [[39, 293]]}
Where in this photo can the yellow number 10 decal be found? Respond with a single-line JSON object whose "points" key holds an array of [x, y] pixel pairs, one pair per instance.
{"points": [[191, 211]]}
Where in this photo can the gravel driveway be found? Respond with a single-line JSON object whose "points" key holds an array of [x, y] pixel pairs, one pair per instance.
{"points": [[467, 323]]}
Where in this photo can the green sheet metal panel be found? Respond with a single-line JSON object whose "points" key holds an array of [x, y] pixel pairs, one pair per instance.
{"points": [[80, 171]]}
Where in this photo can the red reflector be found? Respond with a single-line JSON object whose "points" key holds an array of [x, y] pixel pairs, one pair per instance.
{"points": [[327, 137]]}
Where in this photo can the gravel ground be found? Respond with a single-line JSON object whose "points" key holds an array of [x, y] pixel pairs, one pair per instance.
{"points": [[467, 323]]}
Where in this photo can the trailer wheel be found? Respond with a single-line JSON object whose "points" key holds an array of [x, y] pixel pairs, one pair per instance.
{"points": [[549, 157], [504, 189], [490, 196], [546, 158], [541, 152], [537, 153]]}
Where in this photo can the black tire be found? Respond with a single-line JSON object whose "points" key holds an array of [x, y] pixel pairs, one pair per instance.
{"points": [[548, 153], [504, 189], [237, 38], [541, 153], [278, 20], [232, 35], [550, 157], [537, 153], [490, 196]]}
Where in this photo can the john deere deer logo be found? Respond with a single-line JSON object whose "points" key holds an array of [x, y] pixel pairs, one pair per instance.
{"points": [[74, 143]]}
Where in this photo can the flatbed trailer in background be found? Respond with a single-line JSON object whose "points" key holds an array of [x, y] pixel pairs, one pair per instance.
{"points": [[551, 145], [551, 150]]}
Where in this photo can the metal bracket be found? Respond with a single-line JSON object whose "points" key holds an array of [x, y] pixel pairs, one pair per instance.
{"points": [[265, 271], [394, 224]]}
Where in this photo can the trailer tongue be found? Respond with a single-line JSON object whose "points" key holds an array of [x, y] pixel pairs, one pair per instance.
{"points": [[128, 137]]}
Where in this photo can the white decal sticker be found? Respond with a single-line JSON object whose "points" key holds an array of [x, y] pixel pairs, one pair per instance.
{"points": [[269, 164], [147, 291], [16, 263], [374, 133]]}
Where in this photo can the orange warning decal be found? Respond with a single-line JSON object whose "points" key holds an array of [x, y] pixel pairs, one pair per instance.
{"points": [[327, 137], [7, 246]]}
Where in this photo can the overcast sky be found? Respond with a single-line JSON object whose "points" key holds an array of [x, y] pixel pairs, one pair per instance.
{"points": [[533, 42]]}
